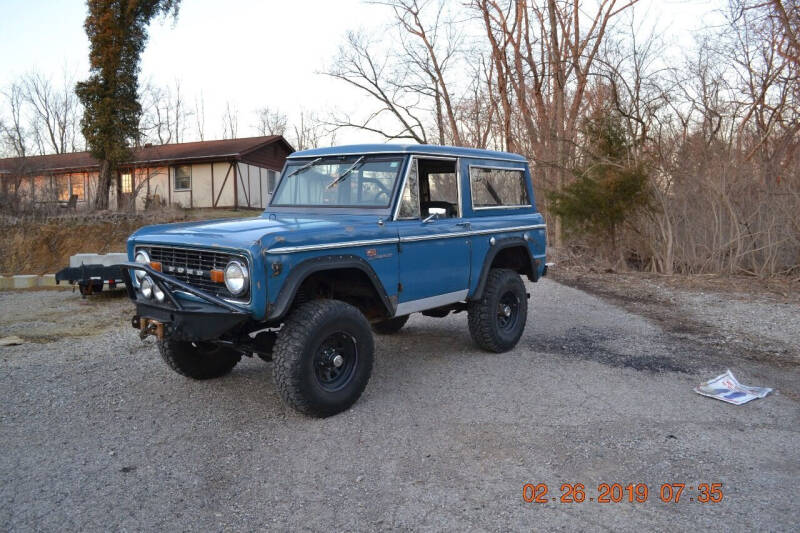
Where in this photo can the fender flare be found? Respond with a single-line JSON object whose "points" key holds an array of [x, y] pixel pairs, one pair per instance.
{"points": [[302, 270], [502, 244]]}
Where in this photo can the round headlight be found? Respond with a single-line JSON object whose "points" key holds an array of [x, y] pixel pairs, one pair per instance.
{"points": [[143, 258], [147, 287], [236, 278], [158, 293]]}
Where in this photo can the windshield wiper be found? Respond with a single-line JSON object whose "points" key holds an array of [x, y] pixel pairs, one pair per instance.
{"points": [[344, 174], [304, 167]]}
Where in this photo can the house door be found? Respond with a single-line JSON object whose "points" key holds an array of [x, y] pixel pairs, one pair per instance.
{"points": [[126, 190], [434, 258]]}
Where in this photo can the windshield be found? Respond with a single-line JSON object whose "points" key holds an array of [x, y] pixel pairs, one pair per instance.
{"points": [[340, 181]]}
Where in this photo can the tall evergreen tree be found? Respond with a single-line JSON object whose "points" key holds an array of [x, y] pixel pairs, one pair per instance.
{"points": [[117, 31], [609, 186]]}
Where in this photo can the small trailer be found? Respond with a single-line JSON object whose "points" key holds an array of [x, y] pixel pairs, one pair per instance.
{"points": [[93, 271]]}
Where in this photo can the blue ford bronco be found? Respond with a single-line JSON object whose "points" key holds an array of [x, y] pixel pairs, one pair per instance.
{"points": [[354, 238]]}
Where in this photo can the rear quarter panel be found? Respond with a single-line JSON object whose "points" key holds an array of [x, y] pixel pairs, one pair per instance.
{"points": [[522, 220]]}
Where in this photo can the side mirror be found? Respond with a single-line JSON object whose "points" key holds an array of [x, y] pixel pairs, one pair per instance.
{"points": [[435, 212]]}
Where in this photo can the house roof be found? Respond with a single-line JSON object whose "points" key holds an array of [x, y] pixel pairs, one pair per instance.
{"points": [[425, 149], [164, 154]]}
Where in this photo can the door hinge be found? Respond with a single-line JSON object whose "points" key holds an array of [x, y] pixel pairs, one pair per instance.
{"points": [[399, 287]]}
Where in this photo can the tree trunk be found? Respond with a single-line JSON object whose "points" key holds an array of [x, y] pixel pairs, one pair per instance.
{"points": [[103, 186]]}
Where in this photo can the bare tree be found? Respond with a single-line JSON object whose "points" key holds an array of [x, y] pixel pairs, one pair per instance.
{"points": [[370, 72], [16, 137], [165, 116], [55, 111], [271, 121], [200, 117], [309, 132], [230, 121]]}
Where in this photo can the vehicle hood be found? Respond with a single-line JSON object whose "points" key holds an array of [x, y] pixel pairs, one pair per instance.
{"points": [[265, 231]]}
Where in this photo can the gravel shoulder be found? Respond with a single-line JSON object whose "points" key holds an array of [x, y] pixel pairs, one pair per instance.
{"points": [[96, 433]]}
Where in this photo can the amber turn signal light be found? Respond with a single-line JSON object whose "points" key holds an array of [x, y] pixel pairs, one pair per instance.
{"points": [[155, 265], [218, 276]]}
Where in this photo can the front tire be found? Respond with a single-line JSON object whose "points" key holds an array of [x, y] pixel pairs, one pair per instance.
{"points": [[198, 360], [323, 357], [390, 326], [497, 320]]}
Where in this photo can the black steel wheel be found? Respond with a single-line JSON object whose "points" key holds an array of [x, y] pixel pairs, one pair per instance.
{"points": [[335, 361], [322, 359], [497, 320], [508, 311]]}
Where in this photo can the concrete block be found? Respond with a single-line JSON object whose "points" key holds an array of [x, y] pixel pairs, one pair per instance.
{"points": [[47, 280], [25, 281], [6, 282]]}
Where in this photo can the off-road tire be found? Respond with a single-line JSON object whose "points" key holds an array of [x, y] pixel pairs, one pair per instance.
{"points": [[388, 327], [297, 352], [484, 320], [198, 360]]}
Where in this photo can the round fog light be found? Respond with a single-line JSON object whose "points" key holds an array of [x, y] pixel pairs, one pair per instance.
{"points": [[147, 288], [236, 278], [158, 293]]}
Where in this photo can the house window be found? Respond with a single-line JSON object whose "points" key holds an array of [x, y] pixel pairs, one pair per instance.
{"points": [[271, 179], [127, 183], [183, 178], [496, 187], [62, 184], [77, 188]]}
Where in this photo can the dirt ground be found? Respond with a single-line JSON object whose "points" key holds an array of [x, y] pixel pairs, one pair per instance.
{"points": [[97, 434]]}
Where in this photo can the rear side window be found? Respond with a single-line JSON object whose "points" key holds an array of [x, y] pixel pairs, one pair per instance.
{"points": [[496, 187]]}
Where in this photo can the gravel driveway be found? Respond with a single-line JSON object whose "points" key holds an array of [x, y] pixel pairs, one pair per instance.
{"points": [[97, 434]]}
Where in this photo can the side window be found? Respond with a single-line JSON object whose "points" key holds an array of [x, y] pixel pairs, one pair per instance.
{"points": [[183, 177], [409, 203], [493, 187]]}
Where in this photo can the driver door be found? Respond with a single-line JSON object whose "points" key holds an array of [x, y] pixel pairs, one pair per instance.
{"points": [[434, 258]]}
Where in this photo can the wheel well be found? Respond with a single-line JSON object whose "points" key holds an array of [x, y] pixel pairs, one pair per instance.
{"points": [[350, 285], [516, 258]]}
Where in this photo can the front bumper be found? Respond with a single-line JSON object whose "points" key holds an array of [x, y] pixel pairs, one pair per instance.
{"points": [[202, 319]]}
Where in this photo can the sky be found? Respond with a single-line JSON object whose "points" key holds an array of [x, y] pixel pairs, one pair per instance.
{"points": [[250, 53]]}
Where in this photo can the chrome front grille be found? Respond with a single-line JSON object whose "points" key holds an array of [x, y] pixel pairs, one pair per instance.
{"points": [[194, 266]]}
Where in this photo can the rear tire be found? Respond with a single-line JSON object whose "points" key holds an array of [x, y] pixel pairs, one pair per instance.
{"points": [[388, 327], [497, 320], [201, 360], [323, 357]]}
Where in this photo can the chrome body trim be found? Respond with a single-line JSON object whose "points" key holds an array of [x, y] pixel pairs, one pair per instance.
{"points": [[432, 302], [395, 240], [401, 190], [331, 246]]}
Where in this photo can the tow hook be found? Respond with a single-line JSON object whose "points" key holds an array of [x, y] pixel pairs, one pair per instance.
{"points": [[148, 326]]}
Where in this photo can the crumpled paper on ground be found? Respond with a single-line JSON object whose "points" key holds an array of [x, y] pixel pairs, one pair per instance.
{"points": [[725, 387]]}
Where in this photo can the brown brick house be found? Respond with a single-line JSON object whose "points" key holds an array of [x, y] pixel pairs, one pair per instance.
{"points": [[223, 173]]}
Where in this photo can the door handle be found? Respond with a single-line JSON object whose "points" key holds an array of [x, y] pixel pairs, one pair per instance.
{"points": [[463, 224]]}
